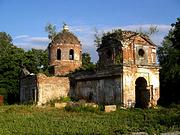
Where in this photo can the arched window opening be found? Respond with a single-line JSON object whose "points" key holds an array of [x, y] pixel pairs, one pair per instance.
{"points": [[109, 54], [141, 52], [80, 56], [71, 54], [58, 54]]}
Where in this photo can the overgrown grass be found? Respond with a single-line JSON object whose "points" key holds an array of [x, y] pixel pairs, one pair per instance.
{"points": [[82, 108], [24, 119], [59, 100]]}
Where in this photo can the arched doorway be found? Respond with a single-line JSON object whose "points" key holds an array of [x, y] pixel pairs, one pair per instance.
{"points": [[142, 94]]}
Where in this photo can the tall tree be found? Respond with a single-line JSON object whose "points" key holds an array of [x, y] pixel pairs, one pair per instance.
{"points": [[86, 62], [5, 37], [36, 60], [169, 59], [51, 29], [151, 30], [97, 39], [10, 59]]}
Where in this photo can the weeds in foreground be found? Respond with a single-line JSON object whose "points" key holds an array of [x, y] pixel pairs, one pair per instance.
{"points": [[26, 119]]}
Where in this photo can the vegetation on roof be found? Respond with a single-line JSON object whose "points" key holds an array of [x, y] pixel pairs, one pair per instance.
{"points": [[117, 36], [65, 37], [108, 38]]}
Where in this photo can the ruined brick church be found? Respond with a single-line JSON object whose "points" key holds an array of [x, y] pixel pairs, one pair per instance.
{"points": [[127, 73]]}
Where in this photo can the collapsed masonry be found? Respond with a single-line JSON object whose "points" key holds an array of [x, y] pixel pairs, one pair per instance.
{"points": [[127, 73]]}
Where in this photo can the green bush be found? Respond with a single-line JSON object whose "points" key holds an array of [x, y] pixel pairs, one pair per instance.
{"points": [[3, 92], [58, 100], [101, 107], [81, 108], [65, 99]]}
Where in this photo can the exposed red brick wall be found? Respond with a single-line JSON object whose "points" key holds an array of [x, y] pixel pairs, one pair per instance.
{"points": [[130, 52], [65, 65]]}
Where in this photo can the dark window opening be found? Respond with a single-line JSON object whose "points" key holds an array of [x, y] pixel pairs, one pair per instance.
{"points": [[141, 52], [58, 54], [71, 54], [109, 54], [33, 94], [80, 56]]}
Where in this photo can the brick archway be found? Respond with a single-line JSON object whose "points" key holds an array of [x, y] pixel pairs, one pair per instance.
{"points": [[142, 94]]}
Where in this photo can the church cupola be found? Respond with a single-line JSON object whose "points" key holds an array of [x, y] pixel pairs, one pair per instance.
{"points": [[65, 52]]}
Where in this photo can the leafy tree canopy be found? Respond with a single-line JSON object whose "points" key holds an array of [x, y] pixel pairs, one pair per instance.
{"points": [[5, 37], [113, 36], [36, 60], [11, 60], [86, 62], [51, 29], [169, 59]]}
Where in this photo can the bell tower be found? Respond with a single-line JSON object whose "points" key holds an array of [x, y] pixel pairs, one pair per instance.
{"points": [[133, 56], [65, 52]]}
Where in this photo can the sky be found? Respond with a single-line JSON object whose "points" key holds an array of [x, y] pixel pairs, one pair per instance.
{"points": [[25, 20]]}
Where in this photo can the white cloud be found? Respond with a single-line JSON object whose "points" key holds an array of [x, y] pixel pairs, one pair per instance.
{"points": [[38, 39], [160, 27], [28, 46], [85, 33], [157, 38], [27, 42], [21, 37], [30, 38], [82, 29]]}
